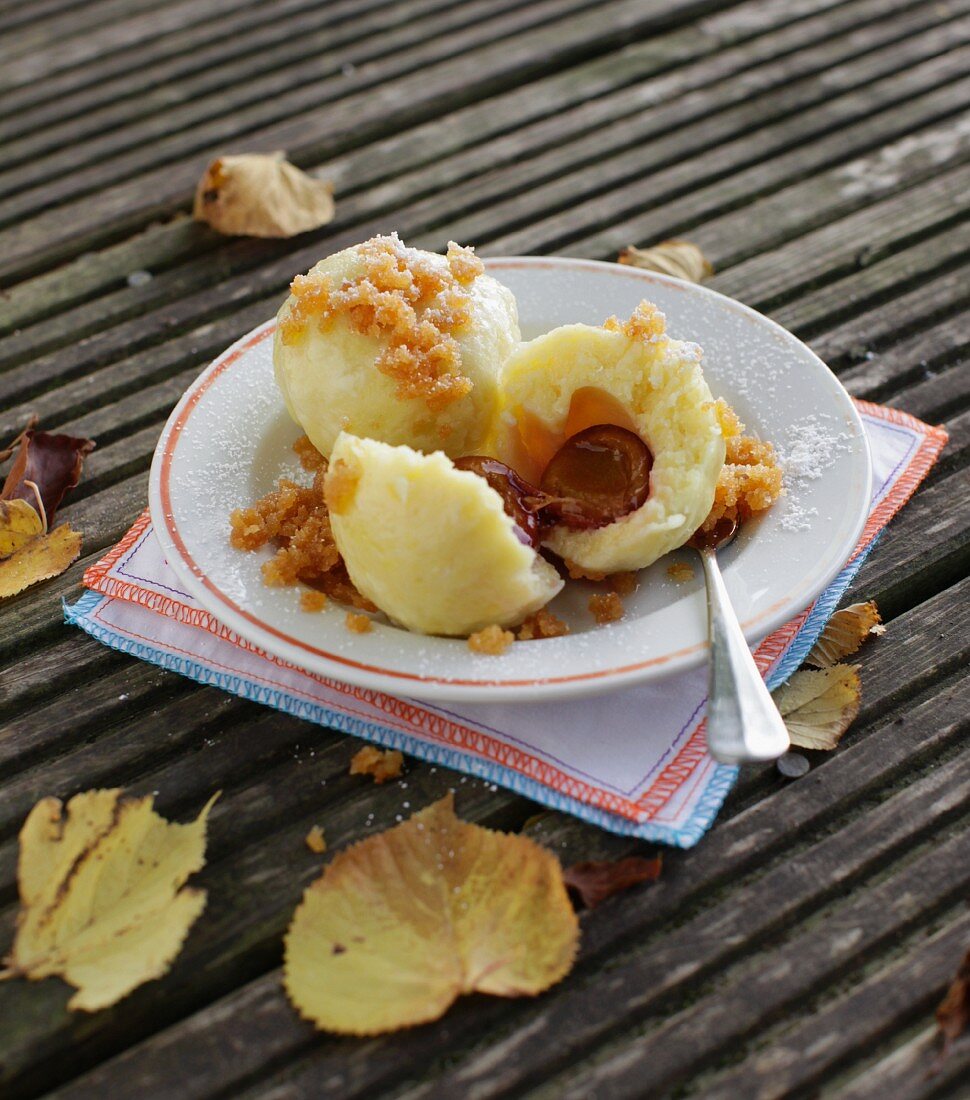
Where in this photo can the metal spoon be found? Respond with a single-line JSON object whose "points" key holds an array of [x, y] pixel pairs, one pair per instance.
{"points": [[743, 723]]}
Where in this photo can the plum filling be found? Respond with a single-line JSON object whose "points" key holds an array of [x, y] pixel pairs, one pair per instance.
{"points": [[522, 501], [596, 477]]}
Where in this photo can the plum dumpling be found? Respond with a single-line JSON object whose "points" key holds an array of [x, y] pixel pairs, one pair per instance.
{"points": [[432, 545], [395, 344], [617, 427]]}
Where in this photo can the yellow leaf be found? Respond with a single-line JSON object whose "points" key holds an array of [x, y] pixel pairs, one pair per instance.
{"points": [[19, 524], [403, 923], [102, 897], [819, 706], [261, 196], [844, 633], [678, 258], [43, 557]]}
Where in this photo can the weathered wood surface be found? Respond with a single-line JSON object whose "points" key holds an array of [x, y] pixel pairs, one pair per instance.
{"points": [[818, 151]]}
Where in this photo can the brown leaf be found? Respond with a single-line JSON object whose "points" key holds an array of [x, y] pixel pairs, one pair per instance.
{"points": [[844, 633], [51, 462], [261, 196], [43, 557], [953, 1014], [681, 259], [819, 705], [596, 880]]}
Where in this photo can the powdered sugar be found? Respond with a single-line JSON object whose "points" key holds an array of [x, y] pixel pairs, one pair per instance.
{"points": [[811, 447]]}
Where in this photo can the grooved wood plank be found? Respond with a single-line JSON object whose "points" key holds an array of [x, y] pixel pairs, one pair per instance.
{"points": [[776, 982], [507, 127], [622, 211], [529, 47], [131, 335], [396, 47], [890, 998], [739, 844], [209, 67]]}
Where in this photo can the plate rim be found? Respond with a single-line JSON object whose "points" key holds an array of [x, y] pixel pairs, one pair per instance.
{"points": [[433, 688]]}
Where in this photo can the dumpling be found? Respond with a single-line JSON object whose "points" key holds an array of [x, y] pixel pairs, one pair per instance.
{"points": [[430, 544], [395, 344], [634, 376]]}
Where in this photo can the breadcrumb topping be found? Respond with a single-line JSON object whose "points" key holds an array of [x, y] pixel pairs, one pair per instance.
{"points": [[295, 519], [680, 572], [402, 296], [623, 584], [380, 764], [491, 640], [606, 607], [312, 600], [542, 624], [751, 478], [646, 323], [358, 624]]}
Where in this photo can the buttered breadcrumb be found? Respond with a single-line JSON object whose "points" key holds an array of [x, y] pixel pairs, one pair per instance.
{"points": [[751, 478], [295, 519], [358, 624], [491, 640], [606, 607], [417, 305], [543, 624]]}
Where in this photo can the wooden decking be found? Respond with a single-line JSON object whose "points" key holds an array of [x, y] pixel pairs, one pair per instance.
{"points": [[817, 150]]}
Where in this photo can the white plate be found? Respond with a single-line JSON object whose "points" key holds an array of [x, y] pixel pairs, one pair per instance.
{"points": [[228, 440]]}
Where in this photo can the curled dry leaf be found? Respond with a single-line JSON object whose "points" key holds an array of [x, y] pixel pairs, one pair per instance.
{"points": [[596, 880], [45, 464], [953, 1013], [257, 195], [381, 764], [404, 922], [844, 633], [103, 901], [40, 559], [678, 258], [818, 706]]}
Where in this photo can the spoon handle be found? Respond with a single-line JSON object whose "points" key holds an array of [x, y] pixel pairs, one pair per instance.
{"points": [[743, 723]]}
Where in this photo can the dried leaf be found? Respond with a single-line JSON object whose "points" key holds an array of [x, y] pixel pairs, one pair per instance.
{"points": [[819, 706], [261, 196], [316, 841], [596, 880], [382, 764], [20, 523], [678, 258], [51, 462], [102, 897], [953, 1014], [40, 559], [844, 633], [404, 922]]}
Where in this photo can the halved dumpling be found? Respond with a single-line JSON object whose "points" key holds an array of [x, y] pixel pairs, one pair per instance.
{"points": [[635, 377], [431, 545]]}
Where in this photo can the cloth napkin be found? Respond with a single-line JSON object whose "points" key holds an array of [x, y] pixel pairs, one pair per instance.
{"points": [[633, 762]]}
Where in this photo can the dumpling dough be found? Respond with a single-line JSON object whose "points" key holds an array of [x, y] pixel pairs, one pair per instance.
{"points": [[327, 363], [431, 545], [635, 376]]}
